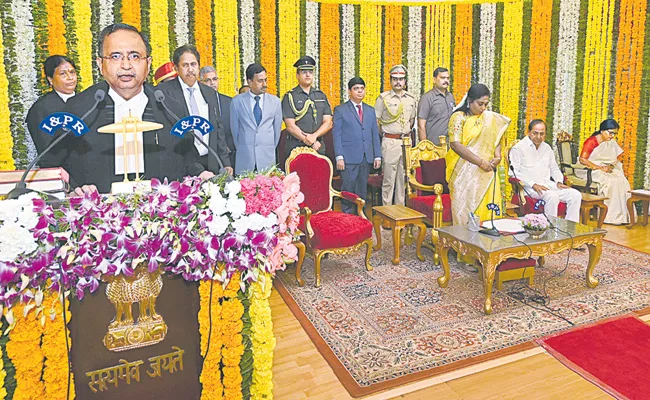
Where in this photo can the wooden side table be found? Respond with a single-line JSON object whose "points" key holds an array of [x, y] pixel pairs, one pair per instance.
{"points": [[398, 217], [590, 201], [644, 198]]}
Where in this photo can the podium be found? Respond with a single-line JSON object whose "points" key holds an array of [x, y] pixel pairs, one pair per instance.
{"points": [[166, 292]]}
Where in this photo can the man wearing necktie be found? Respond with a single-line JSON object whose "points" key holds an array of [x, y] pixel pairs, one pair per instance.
{"points": [[255, 122], [200, 100], [356, 142]]}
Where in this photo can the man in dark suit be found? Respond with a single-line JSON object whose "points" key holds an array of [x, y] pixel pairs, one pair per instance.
{"points": [[198, 99], [95, 160], [208, 76], [61, 73], [356, 142]]}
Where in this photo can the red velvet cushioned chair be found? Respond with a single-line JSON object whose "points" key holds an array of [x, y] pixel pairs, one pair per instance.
{"points": [[326, 231], [426, 189], [519, 194]]}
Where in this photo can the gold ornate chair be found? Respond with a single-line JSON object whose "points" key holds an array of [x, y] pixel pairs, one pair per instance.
{"points": [[326, 231], [427, 187], [577, 174]]}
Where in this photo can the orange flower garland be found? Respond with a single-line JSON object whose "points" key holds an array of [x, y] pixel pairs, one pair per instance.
{"points": [[131, 12], [289, 34], [392, 41], [211, 372], [232, 311], [227, 60], [330, 52], [629, 70], [268, 37], [462, 72], [56, 35], [24, 350], [540, 60], [262, 338], [203, 30], [54, 349]]}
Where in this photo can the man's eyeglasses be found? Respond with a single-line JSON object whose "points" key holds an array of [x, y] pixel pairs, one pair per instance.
{"points": [[119, 57], [215, 80]]}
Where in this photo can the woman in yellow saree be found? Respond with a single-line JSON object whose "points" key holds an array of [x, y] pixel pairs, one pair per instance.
{"points": [[475, 139]]}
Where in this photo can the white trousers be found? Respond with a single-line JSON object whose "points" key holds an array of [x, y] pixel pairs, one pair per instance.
{"points": [[554, 196], [391, 151]]}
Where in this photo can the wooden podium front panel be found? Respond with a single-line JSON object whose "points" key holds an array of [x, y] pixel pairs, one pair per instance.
{"points": [[178, 304]]}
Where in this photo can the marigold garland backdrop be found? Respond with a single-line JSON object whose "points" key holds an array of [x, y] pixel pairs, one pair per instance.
{"points": [[580, 62]]}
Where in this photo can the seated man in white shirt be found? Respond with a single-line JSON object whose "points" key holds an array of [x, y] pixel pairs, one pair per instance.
{"points": [[533, 163]]}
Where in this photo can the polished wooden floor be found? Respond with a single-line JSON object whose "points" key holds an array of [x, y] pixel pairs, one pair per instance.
{"points": [[300, 372]]}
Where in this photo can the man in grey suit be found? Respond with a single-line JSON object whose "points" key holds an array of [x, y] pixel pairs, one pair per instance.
{"points": [[255, 122], [208, 76], [356, 142]]}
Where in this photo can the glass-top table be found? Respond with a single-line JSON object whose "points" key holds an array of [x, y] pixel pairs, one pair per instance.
{"points": [[491, 251]]}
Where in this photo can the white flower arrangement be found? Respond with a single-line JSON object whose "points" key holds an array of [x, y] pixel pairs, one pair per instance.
{"points": [[312, 30], [247, 31], [105, 13], [349, 55], [487, 43], [414, 52], [25, 58], [182, 20], [565, 75], [17, 219]]}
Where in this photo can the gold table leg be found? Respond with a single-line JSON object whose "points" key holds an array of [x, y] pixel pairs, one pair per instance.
{"points": [[602, 213], [595, 249], [397, 238], [443, 252], [418, 245], [630, 210], [489, 270], [376, 222]]}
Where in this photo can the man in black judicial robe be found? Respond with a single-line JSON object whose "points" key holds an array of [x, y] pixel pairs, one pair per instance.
{"points": [[198, 99], [124, 62]]}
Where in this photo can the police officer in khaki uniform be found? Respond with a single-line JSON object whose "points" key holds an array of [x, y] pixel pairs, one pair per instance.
{"points": [[306, 110], [396, 111]]}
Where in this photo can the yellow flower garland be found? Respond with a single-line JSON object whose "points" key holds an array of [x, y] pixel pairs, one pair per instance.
{"points": [[84, 43], [510, 70], [6, 140], [211, 372], [462, 72], [268, 37], [392, 42], [56, 43], [227, 44], [540, 62], [24, 349], [54, 350], [3, 375], [232, 311], [289, 51], [131, 12], [438, 41], [203, 30], [262, 338], [629, 66], [159, 32], [330, 52], [598, 53], [370, 32]]}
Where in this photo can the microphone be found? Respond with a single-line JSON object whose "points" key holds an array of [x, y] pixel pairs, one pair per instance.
{"points": [[539, 203], [160, 98], [21, 187], [492, 207]]}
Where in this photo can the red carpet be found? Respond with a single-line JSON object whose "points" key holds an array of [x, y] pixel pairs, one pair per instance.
{"points": [[613, 354]]}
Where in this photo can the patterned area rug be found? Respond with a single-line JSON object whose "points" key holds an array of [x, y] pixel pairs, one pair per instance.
{"points": [[393, 325]]}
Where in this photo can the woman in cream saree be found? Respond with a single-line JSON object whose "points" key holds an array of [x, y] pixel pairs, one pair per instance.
{"points": [[475, 137]]}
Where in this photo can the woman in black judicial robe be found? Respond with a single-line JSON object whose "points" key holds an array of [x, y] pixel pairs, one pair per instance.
{"points": [[61, 74]]}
